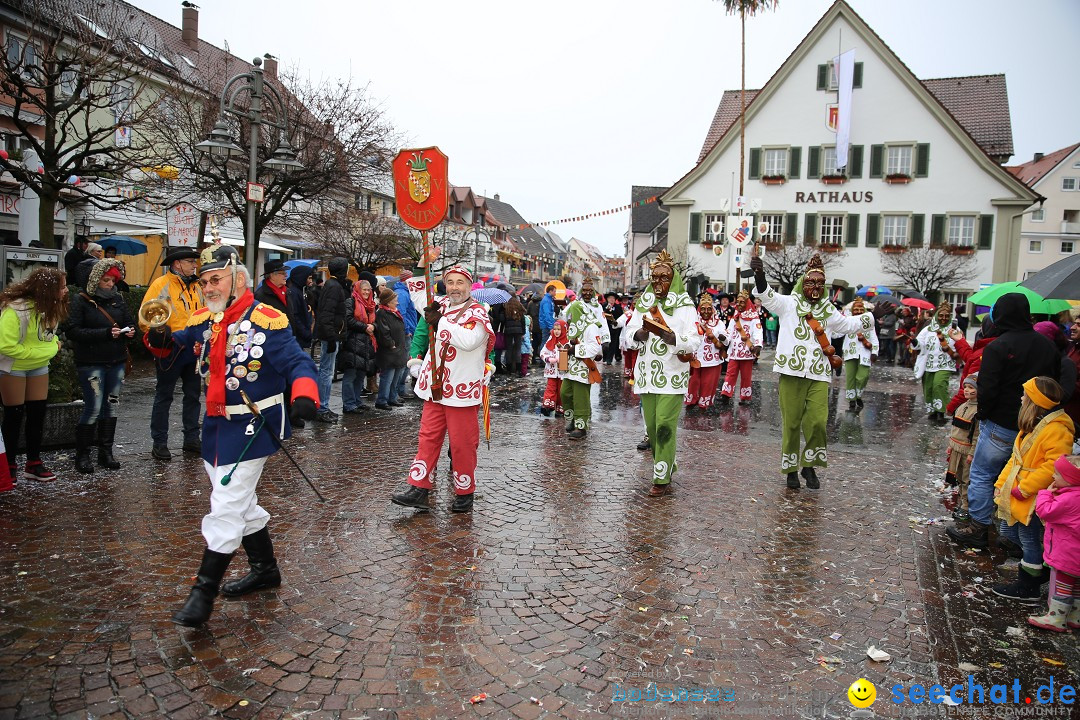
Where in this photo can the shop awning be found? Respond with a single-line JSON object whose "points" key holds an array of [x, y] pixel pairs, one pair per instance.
{"points": [[263, 244]]}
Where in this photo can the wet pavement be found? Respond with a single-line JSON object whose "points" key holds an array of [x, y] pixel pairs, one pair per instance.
{"points": [[565, 588]]}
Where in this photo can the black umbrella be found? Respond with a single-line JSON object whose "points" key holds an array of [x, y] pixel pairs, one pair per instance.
{"points": [[885, 299], [913, 294], [1060, 281], [534, 288], [502, 286]]}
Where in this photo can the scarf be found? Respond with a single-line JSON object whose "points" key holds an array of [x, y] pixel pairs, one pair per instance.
{"points": [[387, 308], [552, 343], [215, 390], [363, 309], [279, 291]]}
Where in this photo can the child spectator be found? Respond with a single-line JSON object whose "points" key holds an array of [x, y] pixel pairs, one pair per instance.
{"points": [[526, 347], [962, 437], [1045, 434], [1058, 507], [549, 353]]}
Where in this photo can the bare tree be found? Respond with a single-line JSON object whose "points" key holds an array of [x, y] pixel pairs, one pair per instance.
{"points": [[341, 138], [929, 270], [786, 265], [76, 103]]}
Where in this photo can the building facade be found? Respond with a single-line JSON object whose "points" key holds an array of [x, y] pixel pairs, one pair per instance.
{"points": [[924, 165], [1049, 231]]}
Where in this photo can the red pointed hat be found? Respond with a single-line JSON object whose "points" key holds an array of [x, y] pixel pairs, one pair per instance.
{"points": [[460, 269]]}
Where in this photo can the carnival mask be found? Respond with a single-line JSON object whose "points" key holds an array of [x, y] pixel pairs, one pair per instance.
{"points": [[587, 292], [944, 315], [662, 276], [706, 311], [813, 287]]}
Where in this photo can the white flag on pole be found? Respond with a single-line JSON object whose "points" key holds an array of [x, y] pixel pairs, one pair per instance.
{"points": [[845, 75]]}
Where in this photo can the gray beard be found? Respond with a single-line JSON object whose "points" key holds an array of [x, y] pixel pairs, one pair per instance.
{"points": [[216, 306]]}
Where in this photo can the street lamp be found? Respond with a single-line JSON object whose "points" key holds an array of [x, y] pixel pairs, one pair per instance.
{"points": [[222, 143]]}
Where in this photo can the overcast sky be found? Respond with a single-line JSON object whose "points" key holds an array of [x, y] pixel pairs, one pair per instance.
{"points": [[560, 106]]}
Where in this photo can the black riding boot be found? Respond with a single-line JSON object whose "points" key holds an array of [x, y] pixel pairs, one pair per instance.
{"points": [[414, 497], [200, 601], [264, 568], [84, 440], [106, 433], [12, 429]]}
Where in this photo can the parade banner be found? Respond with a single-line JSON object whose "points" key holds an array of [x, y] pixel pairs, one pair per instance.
{"points": [[845, 78], [421, 188]]}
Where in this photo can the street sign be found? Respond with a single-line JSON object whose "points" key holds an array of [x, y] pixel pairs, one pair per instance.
{"points": [[255, 192], [182, 225]]}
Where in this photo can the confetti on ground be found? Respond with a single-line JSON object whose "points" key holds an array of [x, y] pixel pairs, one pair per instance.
{"points": [[1050, 661], [688, 651], [968, 667], [836, 636], [1014, 631], [536, 701], [996, 666], [243, 703], [478, 698], [643, 608], [878, 655]]}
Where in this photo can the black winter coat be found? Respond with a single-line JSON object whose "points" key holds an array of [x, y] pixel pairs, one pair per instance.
{"points": [[1017, 355], [90, 332], [330, 315], [357, 352], [267, 296], [393, 349]]}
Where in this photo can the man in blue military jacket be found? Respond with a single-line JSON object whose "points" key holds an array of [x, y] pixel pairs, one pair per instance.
{"points": [[237, 345]]}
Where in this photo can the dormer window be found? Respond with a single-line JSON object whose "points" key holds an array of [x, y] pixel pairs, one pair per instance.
{"points": [[152, 53]]}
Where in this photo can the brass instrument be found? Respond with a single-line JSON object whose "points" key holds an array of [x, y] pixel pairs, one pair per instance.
{"points": [[155, 312]]}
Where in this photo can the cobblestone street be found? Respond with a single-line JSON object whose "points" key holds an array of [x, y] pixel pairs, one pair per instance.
{"points": [[565, 586]]}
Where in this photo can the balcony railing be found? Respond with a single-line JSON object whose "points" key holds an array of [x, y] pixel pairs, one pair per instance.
{"points": [[1070, 227]]}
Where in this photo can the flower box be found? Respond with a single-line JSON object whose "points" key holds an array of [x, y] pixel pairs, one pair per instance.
{"points": [[774, 179], [959, 249], [830, 247], [774, 246], [898, 179], [834, 179], [894, 249]]}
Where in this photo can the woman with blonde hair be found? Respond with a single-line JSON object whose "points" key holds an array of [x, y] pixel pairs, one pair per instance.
{"points": [[32, 310], [1046, 433]]}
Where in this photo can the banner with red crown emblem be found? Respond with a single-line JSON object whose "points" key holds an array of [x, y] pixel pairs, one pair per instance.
{"points": [[421, 188]]}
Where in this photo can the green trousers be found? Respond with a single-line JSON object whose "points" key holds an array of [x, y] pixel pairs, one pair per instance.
{"points": [[661, 420], [857, 376], [804, 406], [935, 390], [576, 402]]}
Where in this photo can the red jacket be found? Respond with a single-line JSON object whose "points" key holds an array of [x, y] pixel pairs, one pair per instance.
{"points": [[972, 359]]}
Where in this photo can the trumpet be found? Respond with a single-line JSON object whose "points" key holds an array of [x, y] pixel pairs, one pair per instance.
{"points": [[155, 312]]}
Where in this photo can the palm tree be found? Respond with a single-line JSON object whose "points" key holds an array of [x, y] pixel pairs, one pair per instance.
{"points": [[744, 8]]}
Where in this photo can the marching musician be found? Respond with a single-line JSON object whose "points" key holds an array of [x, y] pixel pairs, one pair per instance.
{"points": [[705, 374], [452, 390], [246, 352], [936, 362], [805, 360], [744, 346], [665, 334], [860, 351]]}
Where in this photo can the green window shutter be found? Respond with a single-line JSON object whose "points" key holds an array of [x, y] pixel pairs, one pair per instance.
{"points": [[918, 227], [851, 232], [986, 231], [813, 162], [695, 227], [755, 163], [791, 223], [856, 78], [809, 227], [872, 229], [854, 163], [922, 159], [822, 76], [937, 229], [876, 160], [794, 162]]}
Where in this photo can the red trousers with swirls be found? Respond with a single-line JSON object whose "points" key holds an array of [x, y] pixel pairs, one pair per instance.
{"points": [[740, 370], [553, 395], [461, 424], [702, 387]]}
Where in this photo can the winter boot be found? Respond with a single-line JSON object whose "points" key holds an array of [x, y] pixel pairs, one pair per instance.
{"points": [[1025, 588], [462, 503], [972, 534], [810, 476], [858, 403], [1055, 619], [84, 438], [414, 497], [793, 480], [200, 601], [645, 444], [851, 405], [106, 433], [577, 434], [264, 568], [1073, 621]]}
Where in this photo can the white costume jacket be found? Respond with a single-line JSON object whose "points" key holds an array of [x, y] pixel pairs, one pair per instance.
{"points": [[708, 354], [854, 348], [930, 346], [658, 368], [585, 325], [798, 352], [462, 343], [737, 347]]}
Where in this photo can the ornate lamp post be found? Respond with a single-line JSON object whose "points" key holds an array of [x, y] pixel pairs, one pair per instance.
{"points": [[222, 141]]}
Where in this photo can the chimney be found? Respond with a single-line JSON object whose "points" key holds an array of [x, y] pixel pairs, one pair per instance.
{"points": [[1038, 157], [496, 196], [270, 65], [189, 26]]}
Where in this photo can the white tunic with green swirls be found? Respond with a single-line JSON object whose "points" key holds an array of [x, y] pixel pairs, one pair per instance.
{"points": [[798, 352], [658, 368], [929, 344]]}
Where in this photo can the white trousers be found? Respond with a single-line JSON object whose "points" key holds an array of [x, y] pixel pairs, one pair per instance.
{"points": [[234, 508]]}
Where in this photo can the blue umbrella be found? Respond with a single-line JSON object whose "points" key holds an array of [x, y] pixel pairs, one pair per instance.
{"points": [[124, 245], [301, 263], [491, 296], [875, 289]]}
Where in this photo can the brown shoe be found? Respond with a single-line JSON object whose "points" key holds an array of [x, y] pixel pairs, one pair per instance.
{"points": [[659, 490]]}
